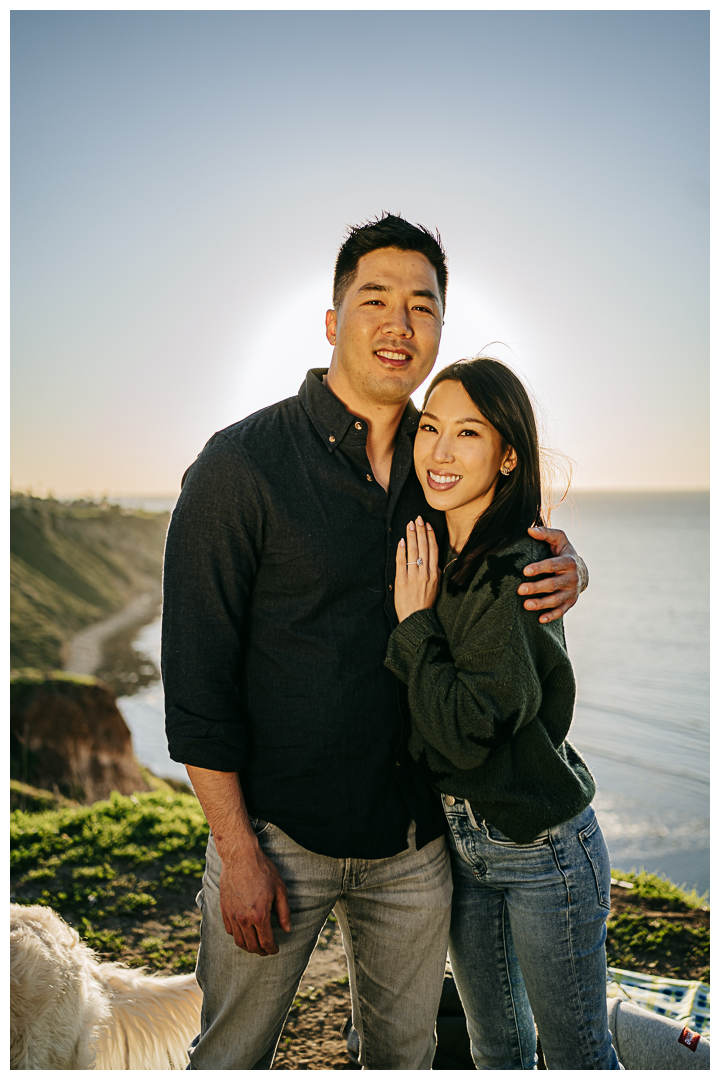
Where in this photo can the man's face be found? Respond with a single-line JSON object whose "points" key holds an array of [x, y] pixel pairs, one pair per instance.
{"points": [[386, 332]]}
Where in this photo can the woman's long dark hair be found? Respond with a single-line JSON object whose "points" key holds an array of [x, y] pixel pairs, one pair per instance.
{"points": [[503, 401]]}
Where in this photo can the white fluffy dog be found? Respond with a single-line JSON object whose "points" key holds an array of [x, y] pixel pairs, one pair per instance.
{"points": [[70, 1011]]}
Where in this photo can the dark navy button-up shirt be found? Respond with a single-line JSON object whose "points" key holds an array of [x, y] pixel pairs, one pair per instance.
{"points": [[278, 606]]}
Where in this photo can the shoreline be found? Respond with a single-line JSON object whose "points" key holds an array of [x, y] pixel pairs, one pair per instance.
{"points": [[105, 649], [85, 649]]}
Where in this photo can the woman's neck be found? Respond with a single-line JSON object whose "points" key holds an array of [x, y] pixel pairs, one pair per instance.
{"points": [[460, 523], [461, 520]]}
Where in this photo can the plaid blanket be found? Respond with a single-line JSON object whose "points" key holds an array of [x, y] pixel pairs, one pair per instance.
{"points": [[688, 1002]]}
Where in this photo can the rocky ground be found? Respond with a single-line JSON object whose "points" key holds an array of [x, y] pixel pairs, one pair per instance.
{"points": [[313, 1035]]}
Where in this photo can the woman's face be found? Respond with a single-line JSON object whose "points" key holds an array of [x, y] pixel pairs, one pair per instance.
{"points": [[458, 453]]}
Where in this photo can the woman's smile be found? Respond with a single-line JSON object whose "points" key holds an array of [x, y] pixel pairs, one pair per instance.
{"points": [[441, 481]]}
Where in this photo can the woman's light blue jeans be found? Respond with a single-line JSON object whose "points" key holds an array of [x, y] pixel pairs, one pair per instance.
{"points": [[527, 939]]}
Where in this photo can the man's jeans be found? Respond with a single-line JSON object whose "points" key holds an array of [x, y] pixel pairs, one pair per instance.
{"points": [[528, 939], [394, 915]]}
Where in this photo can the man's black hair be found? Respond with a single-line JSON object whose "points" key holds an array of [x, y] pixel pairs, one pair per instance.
{"points": [[387, 231]]}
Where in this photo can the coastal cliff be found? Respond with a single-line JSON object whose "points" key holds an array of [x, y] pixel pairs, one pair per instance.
{"points": [[67, 734], [75, 564]]}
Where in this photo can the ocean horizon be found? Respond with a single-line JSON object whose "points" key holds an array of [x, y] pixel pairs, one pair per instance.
{"points": [[161, 501]]}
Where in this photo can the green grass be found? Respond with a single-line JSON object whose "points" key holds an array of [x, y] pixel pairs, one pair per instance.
{"points": [[636, 941], [34, 677], [102, 940], [659, 927], [155, 949], [43, 615], [112, 858], [658, 887], [123, 872]]}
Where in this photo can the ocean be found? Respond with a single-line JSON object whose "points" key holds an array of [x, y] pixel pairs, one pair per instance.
{"points": [[639, 642]]}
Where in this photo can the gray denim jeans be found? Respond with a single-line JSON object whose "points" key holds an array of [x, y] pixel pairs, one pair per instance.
{"points": [[394, 915]]}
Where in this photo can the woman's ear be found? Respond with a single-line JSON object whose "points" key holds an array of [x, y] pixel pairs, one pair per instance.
{"points": [[509, 461]]}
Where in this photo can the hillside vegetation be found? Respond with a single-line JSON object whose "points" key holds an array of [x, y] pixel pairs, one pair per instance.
{"points": [[124, 872], [73, 564]]}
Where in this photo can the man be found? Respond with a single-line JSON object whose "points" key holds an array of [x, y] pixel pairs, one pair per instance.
{"points": [[278, 605]]}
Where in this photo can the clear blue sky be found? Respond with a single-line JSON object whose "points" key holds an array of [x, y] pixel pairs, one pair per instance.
{"points": [[181, 182]]}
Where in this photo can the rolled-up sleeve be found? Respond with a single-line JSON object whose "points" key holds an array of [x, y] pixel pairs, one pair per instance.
{"points": [[211, 558]]}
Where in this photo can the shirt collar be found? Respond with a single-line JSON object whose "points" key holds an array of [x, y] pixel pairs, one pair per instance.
{"points": [[329, 416]]}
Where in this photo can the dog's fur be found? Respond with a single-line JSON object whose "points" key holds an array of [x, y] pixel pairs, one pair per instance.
{"points": [[70, 1011]]}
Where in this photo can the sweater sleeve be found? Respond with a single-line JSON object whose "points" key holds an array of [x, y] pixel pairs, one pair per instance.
{"points": [[466, 705], [211, 557]]}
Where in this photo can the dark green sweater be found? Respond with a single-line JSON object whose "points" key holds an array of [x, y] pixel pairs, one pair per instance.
{"points": [[491, 693]]}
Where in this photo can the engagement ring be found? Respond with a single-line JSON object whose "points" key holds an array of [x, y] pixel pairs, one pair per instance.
{"points": [[417, 562]]}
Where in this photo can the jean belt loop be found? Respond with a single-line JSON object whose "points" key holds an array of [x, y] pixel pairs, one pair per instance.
{"points": [[469, 812]]}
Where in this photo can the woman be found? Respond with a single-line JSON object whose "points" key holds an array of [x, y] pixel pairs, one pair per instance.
{"points": [[491, 693]]}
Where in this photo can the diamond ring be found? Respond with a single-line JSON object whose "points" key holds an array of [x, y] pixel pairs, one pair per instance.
{"points": [[416, 562]]}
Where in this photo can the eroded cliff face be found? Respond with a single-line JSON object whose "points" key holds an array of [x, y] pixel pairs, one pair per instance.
{"points": [[67, 734]]}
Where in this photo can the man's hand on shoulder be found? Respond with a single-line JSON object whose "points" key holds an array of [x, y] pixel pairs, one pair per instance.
{"points": [[250, 886], [569, 577]]}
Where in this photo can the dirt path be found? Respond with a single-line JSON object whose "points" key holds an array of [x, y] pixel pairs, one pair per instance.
{"points": [[85, 649], [327, 963], [313, 1034]]}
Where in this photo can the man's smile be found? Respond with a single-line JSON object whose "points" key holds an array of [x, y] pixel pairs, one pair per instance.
{"points": [[394, 357]]}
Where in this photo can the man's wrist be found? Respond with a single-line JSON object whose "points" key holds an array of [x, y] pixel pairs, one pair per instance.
{"points": [[237, 845], [238, 837]]}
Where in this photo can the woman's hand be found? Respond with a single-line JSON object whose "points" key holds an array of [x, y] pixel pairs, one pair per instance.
{"points": [[416, 586]]}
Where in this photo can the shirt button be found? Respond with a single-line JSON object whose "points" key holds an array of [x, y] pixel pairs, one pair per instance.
{"points": [[397, 764], [358, 425], [332, 438], [449, 800], [369, 477], [390, 588]]}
